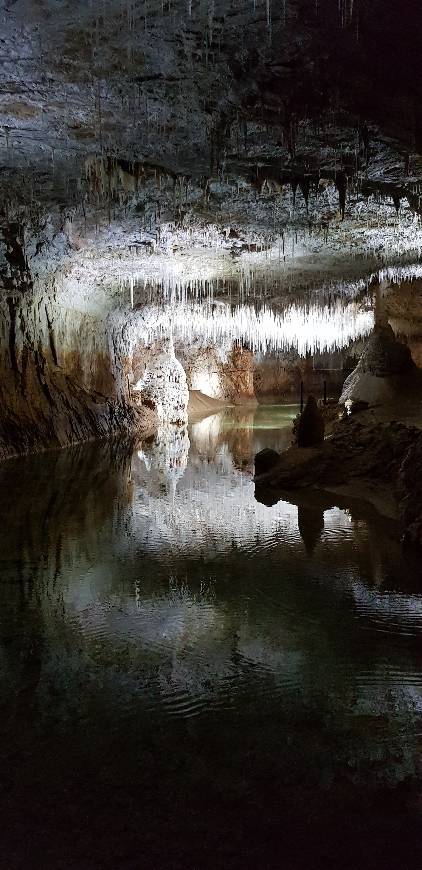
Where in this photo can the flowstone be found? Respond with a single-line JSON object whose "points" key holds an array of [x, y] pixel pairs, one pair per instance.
{"points": [[164, 384]]}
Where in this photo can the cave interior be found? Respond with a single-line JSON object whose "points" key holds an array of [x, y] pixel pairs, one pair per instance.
{"points": [[210, 215]]}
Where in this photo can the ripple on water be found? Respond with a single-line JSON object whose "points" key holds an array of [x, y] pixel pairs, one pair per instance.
{"points": [[389, 612], [198, 598]]}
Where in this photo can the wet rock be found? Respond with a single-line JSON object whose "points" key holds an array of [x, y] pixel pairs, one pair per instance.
{"points": [[377, 457], [265, 460], [310, 425]]}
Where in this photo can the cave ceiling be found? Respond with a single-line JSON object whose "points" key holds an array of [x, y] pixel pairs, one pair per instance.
{"points": [[207, 143]]}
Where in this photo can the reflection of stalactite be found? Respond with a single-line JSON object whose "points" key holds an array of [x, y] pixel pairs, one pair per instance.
{"points": [[166, 456], [341, 185]]}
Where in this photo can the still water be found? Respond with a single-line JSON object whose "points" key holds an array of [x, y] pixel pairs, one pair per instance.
{"points": [[190, 678]]}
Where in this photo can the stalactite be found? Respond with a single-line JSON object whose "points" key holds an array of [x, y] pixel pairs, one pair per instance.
{"points": [[311, 328]]}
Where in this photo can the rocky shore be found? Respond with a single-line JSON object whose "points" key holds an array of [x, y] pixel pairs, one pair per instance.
{"points": [[376, 461]]}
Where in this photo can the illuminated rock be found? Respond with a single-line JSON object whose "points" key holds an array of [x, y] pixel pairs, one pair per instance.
{"points": [[379, 374], [164, 383]]}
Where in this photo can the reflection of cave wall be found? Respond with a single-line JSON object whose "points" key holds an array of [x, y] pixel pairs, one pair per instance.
{"points": [[63, 496]]}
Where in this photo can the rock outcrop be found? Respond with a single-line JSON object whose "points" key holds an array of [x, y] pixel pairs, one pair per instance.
{"points": [[265, 460], [62, 378], [309, 427], [379, 374], [373, 460]]}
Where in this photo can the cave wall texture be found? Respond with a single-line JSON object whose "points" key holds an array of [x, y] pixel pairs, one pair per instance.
{"points": [[61, 379], [63, 375], [160, 151]]}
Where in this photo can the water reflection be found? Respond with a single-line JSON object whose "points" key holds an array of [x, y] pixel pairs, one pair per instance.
{"points": [[189, 647], [165, 456]]}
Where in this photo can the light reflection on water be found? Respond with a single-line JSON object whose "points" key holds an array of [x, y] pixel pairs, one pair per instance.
{"points": [[178, 637]]}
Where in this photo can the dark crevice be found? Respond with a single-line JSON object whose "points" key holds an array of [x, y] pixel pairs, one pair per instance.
{"points": [[51, 338], [12, 336]]}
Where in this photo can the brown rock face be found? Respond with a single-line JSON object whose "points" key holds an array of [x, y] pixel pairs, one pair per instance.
{"points": [[278, 375], [238, 375], [61, 380], [384, 355]]}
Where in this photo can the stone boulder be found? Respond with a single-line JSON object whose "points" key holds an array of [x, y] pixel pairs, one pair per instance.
{"points": [[377, 377]]}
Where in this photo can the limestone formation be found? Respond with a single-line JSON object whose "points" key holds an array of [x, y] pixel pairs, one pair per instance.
{"points": [[62, 379], [164, 385], [309, 427], [379, 375]]}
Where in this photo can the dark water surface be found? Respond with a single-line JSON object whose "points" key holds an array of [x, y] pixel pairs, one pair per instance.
{"points": [[192, 679]]}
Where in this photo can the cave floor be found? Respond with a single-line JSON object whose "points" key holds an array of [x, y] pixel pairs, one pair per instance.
{"points": [[191, 679]]}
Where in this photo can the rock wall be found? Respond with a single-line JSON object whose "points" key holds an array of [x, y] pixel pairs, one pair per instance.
{"points": [[62, 377], [239, 375], [277, 376], [164, 387], [382, 372], [402, 307], [227, 376], [205, 373]]}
